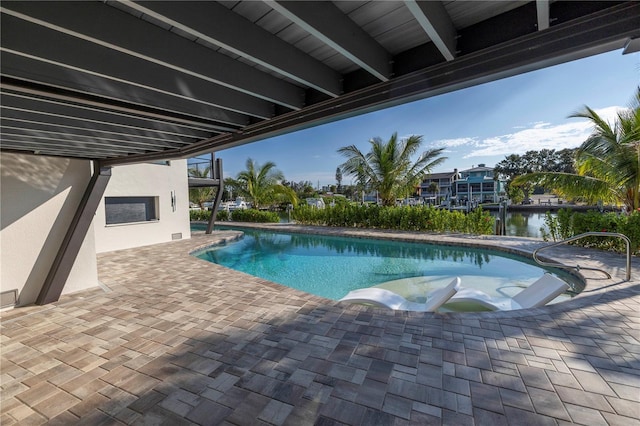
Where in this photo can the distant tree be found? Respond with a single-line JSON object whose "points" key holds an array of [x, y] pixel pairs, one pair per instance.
{"points": [[434, 188], [608, 162], [510, 167], [262, 184], [348, 191], [302, 189], [232, 188], [388, 167], [361, 183], [338, 180], [202, 195], [515, 194], [566, 161], [545, 160]]}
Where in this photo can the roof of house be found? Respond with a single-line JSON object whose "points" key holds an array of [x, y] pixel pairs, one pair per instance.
{"points": [[478, 169], [444, 175]]}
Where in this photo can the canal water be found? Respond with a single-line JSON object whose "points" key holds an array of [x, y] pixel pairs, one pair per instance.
{"points": [[519, 224], [524, 224]]}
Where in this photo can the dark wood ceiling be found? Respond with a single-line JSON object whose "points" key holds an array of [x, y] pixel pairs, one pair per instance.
{"points": [[123, 82]]}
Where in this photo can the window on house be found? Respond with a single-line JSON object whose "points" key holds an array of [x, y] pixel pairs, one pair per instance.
{"points": [[121, 210]]}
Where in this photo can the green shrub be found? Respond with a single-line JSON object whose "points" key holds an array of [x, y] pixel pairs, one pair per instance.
{"points": [[416, 218], [307, 215], [205, 215], [479, 222], [559, 227], [248, 215], [631, 228], [199, 215], [568, 224], [253, 215], [222, 215]]}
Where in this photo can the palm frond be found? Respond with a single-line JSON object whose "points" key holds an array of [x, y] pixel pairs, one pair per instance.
{"points": [[388, 166], [572, 186], [198, 173], [260, 182], [602, 129]]}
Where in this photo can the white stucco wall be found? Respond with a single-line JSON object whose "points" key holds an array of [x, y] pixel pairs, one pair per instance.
{"points": [[38, 198], [146, 180]]}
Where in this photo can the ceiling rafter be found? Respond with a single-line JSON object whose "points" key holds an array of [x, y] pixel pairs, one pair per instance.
{"points": [[135, 105], [67, 132], [632, 46], [435, 21], [166, 91], [146, 41], [219, 26], [32, 100], [542, 9], [99, 68], [51, 127], [71, 122], [326, 22], [46, 150], [49, 142], [594, 34], [61, 76]]}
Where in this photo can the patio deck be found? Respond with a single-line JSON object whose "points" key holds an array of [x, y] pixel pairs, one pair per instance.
{"points": [[176, 340]]}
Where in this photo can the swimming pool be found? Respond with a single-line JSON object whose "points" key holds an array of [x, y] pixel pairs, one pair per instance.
{"points": [[331, 266]]}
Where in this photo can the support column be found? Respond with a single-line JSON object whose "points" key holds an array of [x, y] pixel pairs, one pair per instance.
{"points": [[217, 176], [70, 247]]}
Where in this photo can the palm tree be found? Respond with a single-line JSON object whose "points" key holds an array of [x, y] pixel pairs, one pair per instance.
{"points": [[607, 163], [201, 195], [262, 184], [388, 167], [434, 189]]}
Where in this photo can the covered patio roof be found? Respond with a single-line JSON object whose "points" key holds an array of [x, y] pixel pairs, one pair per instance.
{"points": [[122, 82]]}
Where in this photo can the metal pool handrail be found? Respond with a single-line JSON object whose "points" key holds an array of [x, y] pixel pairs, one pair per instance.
{"points": [[577, 237]]}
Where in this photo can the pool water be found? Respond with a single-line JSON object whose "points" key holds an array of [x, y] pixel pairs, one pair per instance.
{"points": [[331, 266]]}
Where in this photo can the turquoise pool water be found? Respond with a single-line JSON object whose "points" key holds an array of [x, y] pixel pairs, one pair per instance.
{"points": [[332, 266]]}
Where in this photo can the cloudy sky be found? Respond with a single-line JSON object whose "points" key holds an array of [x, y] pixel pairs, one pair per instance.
{"points": [[481, 124]]}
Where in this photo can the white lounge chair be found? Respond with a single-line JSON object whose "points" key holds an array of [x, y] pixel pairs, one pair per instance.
{"points": [[542, 291], [387, 299]]}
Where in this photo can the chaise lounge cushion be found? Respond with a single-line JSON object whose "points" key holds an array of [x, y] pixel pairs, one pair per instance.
{"points": [[387, 299], [541, 292]]}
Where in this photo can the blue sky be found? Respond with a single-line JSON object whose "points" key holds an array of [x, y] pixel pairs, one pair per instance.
{"points": [[477, 125]]}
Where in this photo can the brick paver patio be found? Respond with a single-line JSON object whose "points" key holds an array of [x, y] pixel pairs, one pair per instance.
{"points": [[174, 340]]}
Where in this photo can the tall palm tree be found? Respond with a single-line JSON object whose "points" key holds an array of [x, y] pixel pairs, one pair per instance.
{"points": [[607, 163], [262, 184], [388, 167]]}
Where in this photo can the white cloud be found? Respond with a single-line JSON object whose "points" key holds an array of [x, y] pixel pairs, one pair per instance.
{"points": [[610, 114], [537, 136], [451, 143]]}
